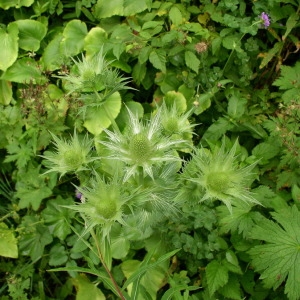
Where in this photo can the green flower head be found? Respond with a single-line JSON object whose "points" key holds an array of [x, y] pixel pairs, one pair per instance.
{"points": [[219, 177], [142, 146], [70, 156]]}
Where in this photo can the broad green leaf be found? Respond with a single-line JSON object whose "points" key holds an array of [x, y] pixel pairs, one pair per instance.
{"points": [[175, 15], [52, 57], [106, 9], [8, 46], [31, 33], [232, 289], [144, 54], [8, 242], [97, 118], [278, 259], [94, 41], [58, 216], [192, 61], [236, 105], [86, 290], [157, 58], [139, 72], [176, 98], [24, 70], [217, 276], [132, 7], [5, 92], [217, 129], [266, 150], [73, 38], [6, 4]]}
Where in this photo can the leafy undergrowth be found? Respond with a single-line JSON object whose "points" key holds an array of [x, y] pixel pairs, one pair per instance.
{"points": [[149, 150]]}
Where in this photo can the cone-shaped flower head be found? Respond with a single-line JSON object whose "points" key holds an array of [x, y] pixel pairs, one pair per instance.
{"points": [[142, 145], [220, 177], [70, 156]]}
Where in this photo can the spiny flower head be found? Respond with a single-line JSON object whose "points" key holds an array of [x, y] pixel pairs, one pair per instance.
{"points": [[176, 125], [265, 19], [70, 155], [142, 145], [219, 177]]}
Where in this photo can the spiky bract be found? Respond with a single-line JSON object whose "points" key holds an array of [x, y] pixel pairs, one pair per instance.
{"points": [[218, 177], [70, 155], [142, 146]]}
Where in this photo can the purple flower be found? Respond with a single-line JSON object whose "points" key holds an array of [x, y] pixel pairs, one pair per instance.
{"points": [[78, 195], [265, 19]]}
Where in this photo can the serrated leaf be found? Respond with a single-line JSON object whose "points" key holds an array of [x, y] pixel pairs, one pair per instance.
{"points": [[236, 105], [59, 216], [217, 129], [232, 289], [278, 259], [8, 46], [58, 255], [217, 276], [8, 242], [157, 58], [192, 61]]}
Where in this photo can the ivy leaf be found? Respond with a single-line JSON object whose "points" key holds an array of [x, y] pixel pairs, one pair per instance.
{"points": [[157, 58], [192, 61], [278, 260], [217, 276]]}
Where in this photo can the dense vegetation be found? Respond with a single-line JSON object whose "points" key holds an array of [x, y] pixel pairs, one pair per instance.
{"points": [[149, 149]]}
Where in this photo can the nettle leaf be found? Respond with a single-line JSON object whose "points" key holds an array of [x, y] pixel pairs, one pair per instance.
{"points": [[8, 46], [217, 276], [278, 259], [157, 58], [192, 61], [31, 33], [58, 217]]}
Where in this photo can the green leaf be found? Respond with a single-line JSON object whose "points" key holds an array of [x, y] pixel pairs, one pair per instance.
{"points": [[52, 57], [175, 15], [6, 4], [96, 117], [5, 92], [232, 289], [236, 105], [176, 98], [157, 58], [94, 41], [73, 38], [217, 276], [192, 61], [278, 259], [266, 150], [36, 236], [217, 129], [24, 70], [31, 33], [290, 24], [8, 46], [58, 255], [106, 9], [86, 290], [58, 216], [8, 242], [267, 57]]}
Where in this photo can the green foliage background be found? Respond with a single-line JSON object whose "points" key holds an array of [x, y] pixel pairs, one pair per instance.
{"points": [[240, 79]]}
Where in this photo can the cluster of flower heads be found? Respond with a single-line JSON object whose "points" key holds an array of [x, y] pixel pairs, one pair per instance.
{"points": [[265, 19]]}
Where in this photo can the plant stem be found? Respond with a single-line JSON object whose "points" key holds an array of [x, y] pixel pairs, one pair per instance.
{"points": [[105, 266]]}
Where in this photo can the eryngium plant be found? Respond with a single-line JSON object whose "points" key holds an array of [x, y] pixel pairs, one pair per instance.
{"points": [[70, 156], [142, 146], [217, 176]]}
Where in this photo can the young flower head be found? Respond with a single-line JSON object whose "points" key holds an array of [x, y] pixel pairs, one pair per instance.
{"points": [[265, 19], [219, 177], [176, 125], [141, 146], [70, 156]]}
